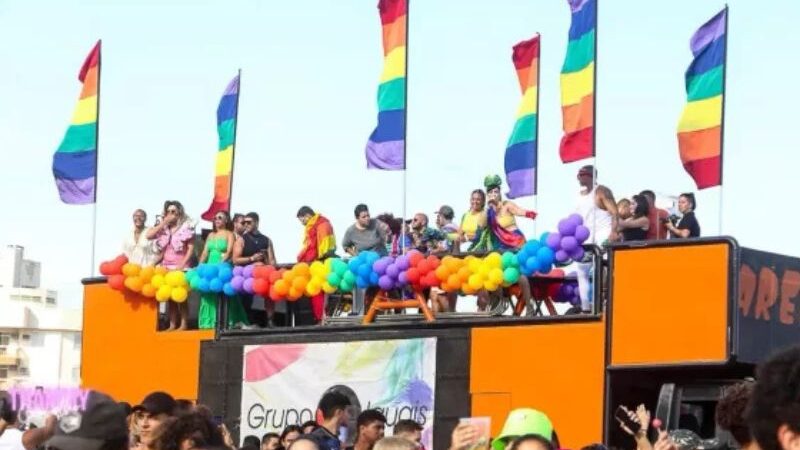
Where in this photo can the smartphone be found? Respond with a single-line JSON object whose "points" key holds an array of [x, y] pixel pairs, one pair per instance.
{"points": [[483, 425], [622, 416]]}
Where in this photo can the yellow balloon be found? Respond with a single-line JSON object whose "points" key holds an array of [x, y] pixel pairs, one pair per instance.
{"points": [[147, 272], [484, 270], [161, 270], [496, 276], [313, 288], [163, 293], [179, 294], [157, 281], [148, 290], [328, 288], [317, 269], [175, 278], [494, 260], [474, 265], [475, 282], [489, 286]]}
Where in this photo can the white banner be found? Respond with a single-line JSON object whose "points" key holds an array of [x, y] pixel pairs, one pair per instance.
{"points": [[283, 383]]}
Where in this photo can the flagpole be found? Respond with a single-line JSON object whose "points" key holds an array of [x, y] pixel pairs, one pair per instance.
{"points": [[96, 156], [536, 150], [405, 140], [594, 120], [233, 148], [722, 124]]}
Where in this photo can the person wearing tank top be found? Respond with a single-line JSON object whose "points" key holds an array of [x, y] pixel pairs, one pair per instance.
{"points": [[254, 248], [599, 211]]}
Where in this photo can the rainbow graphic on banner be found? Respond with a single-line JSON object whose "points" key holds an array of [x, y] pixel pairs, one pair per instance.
{"points": [[75, 161], [521, 150], [227, 113], [386, 149], [578, 83], [701, 124]]}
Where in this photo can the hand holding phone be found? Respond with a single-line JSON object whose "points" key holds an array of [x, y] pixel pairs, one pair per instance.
{"points": [[627, 420]]}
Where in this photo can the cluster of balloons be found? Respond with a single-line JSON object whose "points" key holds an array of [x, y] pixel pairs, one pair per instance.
{"points": [[114, 266], [211, 278], [152, 282], [568, 292], [471, 274], [535, 257], [340, 277], [566, 243]]}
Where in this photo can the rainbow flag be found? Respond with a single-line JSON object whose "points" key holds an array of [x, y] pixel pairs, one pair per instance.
{"points": [[701, 124], [227, 112], [577, 83], [522, 148], [386, 149], [75, 161]]}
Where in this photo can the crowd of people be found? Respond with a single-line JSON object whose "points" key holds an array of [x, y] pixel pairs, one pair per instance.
{"points": [[760, 415], [489, 224]]}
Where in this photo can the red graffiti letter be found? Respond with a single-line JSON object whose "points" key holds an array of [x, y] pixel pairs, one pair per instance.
{"points": [[747, 289], [767, 293], [790, 287]]}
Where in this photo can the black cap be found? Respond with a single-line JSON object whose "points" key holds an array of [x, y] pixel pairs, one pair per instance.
{"points": [[126, 407], [252, 215], [157, 403], [103, 420]]}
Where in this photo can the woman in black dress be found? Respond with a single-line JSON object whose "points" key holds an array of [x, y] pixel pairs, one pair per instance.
{"points": [[634, 228]]}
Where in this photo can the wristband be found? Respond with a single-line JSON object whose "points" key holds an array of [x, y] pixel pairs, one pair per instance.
{"points": [[530, 214]]}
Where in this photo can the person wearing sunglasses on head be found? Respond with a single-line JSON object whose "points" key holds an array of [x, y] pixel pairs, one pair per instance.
{"points": [[174, 236]]}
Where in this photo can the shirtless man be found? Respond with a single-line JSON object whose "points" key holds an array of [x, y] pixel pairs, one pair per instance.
{"points": [[599, 211]]}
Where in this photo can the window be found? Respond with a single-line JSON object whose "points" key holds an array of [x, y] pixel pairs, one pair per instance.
{"points": [[5, 338], [3, 373], [76, 341], [26, 337], [23, 372], [51, 300]]}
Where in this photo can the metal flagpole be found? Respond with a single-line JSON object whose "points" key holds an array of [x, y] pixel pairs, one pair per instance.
{"points": [[536, 150], [96, 155], [405, 140], [722, 124]]}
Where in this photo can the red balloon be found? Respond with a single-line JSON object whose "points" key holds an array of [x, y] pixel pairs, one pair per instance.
{"points": [[274, 276], [105, 268], [431, 280], [116, 282], [260, 272], [414, 257], [413, 275], [260, 286], [434, 261], [424, 267]]}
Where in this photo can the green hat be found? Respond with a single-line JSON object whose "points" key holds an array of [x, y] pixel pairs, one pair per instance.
{"points": [[492, 181], [523, 421]]}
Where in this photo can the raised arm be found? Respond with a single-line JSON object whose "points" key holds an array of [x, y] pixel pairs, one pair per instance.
{"points": [[518, 211]]}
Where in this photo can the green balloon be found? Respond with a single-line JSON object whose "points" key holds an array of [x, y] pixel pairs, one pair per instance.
{"points": [[349, 277], [511, 275], [508, 259], [339, 266], [346, 286], [334, 279]]}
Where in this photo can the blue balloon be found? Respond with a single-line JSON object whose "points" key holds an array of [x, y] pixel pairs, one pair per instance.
{"points": [[522, 257], [544, 270], [546, 257], [353, 264], [211, 271], [543, 237], [225, 273], [374, 278], [362, 282], [202, 285], [228, 289], [531, 265], [215, 285], [371, 257], [532, 246]]}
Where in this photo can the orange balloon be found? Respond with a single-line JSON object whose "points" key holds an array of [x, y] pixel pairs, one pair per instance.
{"points": [[299, 283], [301, 269], [442, 272], [148, 290], [454, 282], [463, 274], [294, 294], [281, 288]]}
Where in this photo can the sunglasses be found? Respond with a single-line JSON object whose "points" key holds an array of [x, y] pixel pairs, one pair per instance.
{"points": [[172, 211], [247, 222]]}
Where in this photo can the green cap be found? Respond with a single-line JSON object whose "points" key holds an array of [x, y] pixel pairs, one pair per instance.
{"points": [[492, 181], [523, 421]]}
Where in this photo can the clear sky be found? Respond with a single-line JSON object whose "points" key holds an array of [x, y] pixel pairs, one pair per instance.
{"points": [[310, 75]]}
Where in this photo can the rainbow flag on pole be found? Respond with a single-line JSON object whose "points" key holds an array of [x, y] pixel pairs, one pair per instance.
{"points": [[521, 150], [578, 83], [75, 161], [386, 148], [227, 113], [701, 125]]}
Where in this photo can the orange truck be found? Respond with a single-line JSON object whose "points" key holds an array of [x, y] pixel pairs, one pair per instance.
{"points": [[680, 320]]}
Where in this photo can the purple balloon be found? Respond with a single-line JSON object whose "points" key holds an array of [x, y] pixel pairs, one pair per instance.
{"points": [[401, 262], [569, 244], [248, 285], [576, 219], [385, 283], [554, 241], [568, 290], [566, 227], [380, 266], [392, 271], [575, 301], [237, 282], [247, 272], [561, 256], [237, 270], [577, 254], [582, 233], [402, 279]]}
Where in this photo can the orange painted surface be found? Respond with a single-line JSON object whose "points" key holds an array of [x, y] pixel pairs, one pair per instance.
{"points": [[123, 354], [555, 368], [670, 305]]}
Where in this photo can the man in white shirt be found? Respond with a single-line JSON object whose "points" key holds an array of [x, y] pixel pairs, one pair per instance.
{"points": [[12, 438]]}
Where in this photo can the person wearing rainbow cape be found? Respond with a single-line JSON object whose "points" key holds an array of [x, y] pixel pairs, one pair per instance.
{"points": [[502, 232]]}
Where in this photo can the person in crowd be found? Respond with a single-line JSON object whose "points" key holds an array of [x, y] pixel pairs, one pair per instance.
{"points": [[656, 216], [251, 441], [333, 408], [502, 230], [624, 210], [635, 222], [396, 240], [598, 209], [531, 442], [291, 433], [642, 417], [423, 237], [445, 225], [410, 430], [773, 413], [687, 226], [521, 422], [189, 430], [365, 234], [319, 244], [473, 222], [185, 406], [254, 248], [238, 225], [730, 414], [309, 427], [271, 441], [136, 247], [219, 248], [306, 442], [154, 410], [101, 426], [12, 438], [370, 426], [174, 238], [394, 443]]}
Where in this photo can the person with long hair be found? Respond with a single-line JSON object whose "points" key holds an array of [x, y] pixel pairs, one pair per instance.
{"points": [[634, 226], [473, 222], [174, 236], [219, 249]]}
